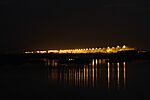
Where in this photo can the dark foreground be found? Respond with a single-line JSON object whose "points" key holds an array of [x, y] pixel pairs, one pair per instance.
{"points": [[47, 79]]}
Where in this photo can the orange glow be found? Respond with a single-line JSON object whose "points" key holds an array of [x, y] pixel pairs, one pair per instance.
{"points": [[86, 50]]}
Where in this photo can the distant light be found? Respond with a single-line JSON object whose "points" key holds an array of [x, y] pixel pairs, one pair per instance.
{"points": [[71, 59], [29, 52], [42, 51], [53, 51], [86, 50], [118, 46], [124, 47], [37, 51]]}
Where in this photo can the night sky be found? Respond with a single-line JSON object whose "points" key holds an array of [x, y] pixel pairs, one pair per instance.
{"points": [[61, 24]]}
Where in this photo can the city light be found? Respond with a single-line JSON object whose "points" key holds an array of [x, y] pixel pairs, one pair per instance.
{"points": [[87, 50]]}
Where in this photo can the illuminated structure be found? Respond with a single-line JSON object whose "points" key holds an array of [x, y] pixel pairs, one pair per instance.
{"points": [[87, 50]]}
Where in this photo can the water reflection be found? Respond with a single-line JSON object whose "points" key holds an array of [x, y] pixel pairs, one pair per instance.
{"points": [[96, 73], [118, 75], [124, 73], [108, 74]]}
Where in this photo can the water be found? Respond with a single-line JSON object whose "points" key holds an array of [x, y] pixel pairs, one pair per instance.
{"points": [[97, 79]]}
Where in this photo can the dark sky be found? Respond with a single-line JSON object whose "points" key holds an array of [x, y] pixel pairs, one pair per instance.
{"points": [[57, 24]]}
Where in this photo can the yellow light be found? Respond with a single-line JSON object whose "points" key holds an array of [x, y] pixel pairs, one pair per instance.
{"points": [[118, 75], [124, 72], [124, 47], [118, 46], [108, 64], [86, 50], [93, 62], [113, 47], [37, 51], [42, 51]]}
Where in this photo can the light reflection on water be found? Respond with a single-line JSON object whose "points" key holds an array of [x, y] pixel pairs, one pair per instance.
{"points": [[97, 73]]}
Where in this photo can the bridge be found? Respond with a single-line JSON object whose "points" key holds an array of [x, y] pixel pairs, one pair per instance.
{"points": [[86, 50], [112, 54]]}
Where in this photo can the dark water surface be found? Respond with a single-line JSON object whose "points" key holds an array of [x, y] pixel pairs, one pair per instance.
{"points": [[97, 79]]}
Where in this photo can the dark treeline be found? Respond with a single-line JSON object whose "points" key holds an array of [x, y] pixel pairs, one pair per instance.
{"points": [[35, 57]]}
